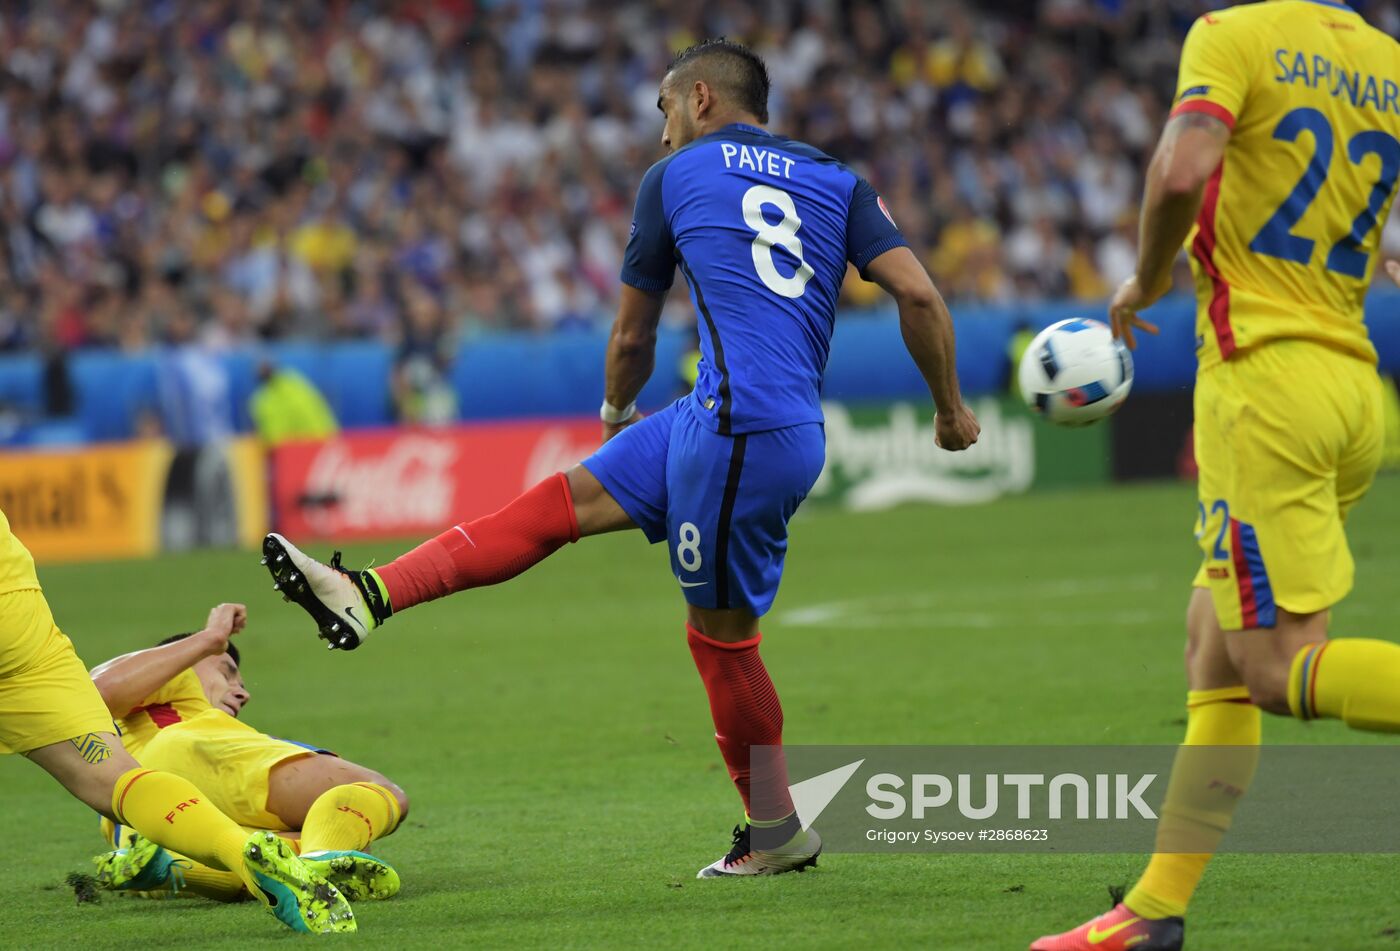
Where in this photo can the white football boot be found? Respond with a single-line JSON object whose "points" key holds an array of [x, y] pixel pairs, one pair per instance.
{"points": [[797, 853], [343, 603]]}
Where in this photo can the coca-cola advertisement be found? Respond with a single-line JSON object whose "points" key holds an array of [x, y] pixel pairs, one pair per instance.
{"points": [[387, 483]]}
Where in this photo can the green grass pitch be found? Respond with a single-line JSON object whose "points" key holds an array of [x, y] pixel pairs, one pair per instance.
{"points": [[556, 742]]}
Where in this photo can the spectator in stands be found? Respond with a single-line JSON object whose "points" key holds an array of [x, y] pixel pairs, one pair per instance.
{"points": [[421, 385], [195, 410], [286, 406]]}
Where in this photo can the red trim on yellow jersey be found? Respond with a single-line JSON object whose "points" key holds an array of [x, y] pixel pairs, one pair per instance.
{"points": [[1203, 249], [162, 714], [1213, 109]]}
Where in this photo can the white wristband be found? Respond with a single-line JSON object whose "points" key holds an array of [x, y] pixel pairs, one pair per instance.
{"points": [[611, 415]]}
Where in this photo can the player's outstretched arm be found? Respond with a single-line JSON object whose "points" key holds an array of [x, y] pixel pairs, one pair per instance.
{"points": [[928, 333], [631, 356], [125, 681], [1190, 150]]}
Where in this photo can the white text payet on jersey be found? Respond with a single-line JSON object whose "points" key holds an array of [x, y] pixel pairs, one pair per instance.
{"points": [[766, 161]]}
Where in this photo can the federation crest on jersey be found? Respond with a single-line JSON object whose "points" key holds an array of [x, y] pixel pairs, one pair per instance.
{"points": [[884, 210]]}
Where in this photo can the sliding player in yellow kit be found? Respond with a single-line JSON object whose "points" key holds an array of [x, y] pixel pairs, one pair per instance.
{"points": [[51, 712], [1277, 169], [177, 705]]}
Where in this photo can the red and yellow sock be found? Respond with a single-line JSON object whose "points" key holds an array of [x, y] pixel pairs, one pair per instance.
{"points": [[348, 818], [173, 813], [1213, 769], [1351, 679]]}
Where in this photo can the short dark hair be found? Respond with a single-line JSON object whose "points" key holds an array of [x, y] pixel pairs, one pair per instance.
{"points": [[731, 66], [232, 650]]}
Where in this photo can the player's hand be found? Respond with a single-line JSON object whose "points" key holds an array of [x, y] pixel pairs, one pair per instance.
{"points": [[612, 429], [1393, 269], [1123, 311], [225, 620], [956, 429]]}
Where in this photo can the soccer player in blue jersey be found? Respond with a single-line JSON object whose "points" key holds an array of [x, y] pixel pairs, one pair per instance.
{"points": [[762, 228]]}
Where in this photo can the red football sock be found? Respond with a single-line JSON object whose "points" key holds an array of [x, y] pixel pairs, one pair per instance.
{"points": [[489, 550], [747, 713]]}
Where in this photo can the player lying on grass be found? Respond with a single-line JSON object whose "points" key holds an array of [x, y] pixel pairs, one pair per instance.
{"points": [[177, 706], [51, 713], [1277, 169], [763, 229]]}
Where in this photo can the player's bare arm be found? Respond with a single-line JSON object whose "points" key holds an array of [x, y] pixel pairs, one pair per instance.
{"points": [[631, 356], [124, 681], [1393, 269], [927, 328], [1189, 152]]}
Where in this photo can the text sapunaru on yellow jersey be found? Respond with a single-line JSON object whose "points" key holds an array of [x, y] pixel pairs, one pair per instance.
{"points": [[1285, 244]]}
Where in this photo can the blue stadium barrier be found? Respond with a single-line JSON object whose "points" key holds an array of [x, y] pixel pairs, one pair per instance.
{"points": [[22, 384], [1168, 360], [521, 375], [1383, 320], [111, 390]]}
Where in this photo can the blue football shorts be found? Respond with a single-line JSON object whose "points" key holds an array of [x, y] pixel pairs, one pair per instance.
{"points": [[721, 503]]}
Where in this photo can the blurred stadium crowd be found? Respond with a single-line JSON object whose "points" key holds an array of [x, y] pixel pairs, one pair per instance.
{"points": [[232, 170]]}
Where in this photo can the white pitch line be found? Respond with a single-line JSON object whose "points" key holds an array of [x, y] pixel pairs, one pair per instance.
{"points": [[984, 621], [1005, 591], [923, 609]]}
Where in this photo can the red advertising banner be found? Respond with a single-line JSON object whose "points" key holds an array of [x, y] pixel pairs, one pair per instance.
{"points": [[386, 483]]}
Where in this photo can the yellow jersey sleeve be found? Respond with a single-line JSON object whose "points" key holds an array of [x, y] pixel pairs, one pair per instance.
{"points": [[179, 699], [1213, 77], [183, 690]]}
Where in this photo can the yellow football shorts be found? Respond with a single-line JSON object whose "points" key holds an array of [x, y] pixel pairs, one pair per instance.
{"points": [[1288, 438], [46, 695], [228, 760]]}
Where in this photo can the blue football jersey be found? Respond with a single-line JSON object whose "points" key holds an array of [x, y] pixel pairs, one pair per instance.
{"points": [[761, 227]]}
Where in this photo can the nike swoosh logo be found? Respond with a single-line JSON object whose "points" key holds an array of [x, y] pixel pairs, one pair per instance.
{"points": [[350, 611], [1095, 936], [691, 584]]}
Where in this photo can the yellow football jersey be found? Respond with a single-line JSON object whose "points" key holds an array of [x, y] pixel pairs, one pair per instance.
{"points": [[1286, 241], [176, 730], [179, 700], [16, 564]]}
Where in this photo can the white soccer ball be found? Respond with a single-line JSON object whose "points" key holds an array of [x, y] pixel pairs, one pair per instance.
{"points": [[1075, 373]]}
